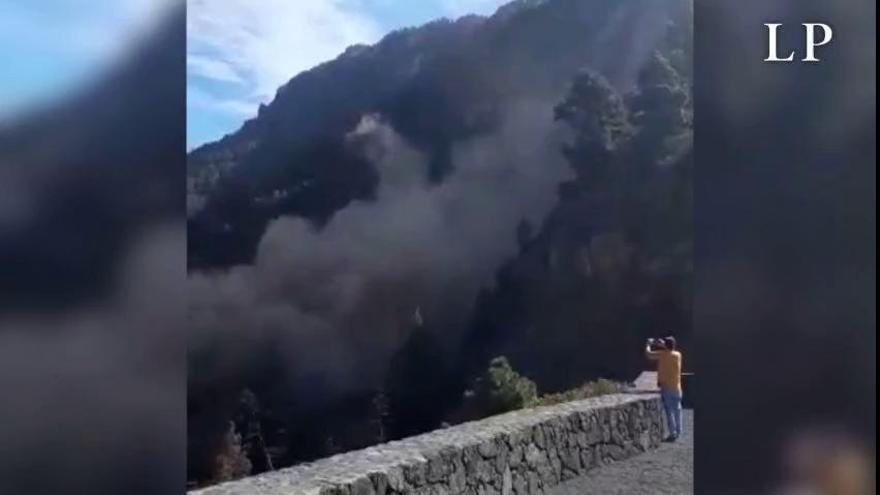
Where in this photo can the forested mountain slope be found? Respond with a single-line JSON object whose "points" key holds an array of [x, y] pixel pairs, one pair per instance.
{"points": [[516, 185]]}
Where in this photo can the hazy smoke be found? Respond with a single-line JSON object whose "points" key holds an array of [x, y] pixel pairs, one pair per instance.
{"points": [[635, 29], [97, 390], [338, 301]]}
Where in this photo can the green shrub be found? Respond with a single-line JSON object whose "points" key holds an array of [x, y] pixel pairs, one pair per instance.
{"points": [[502, 389], [585, 391]]}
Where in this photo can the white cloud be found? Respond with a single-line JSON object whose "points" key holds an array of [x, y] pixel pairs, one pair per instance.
{"points": [[197, 99], [262, 44], [210, 68]]}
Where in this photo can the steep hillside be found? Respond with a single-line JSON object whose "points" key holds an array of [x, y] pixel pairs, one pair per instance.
{"points": [[440, 84]]}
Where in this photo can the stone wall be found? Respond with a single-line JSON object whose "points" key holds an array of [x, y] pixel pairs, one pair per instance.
{"points": [[521, 452]]}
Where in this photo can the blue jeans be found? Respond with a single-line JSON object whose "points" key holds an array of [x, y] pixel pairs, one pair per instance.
{"points": [[672, 405]]}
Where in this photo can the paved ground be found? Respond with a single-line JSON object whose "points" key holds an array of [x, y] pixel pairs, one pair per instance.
{"points": [[669, 470]]}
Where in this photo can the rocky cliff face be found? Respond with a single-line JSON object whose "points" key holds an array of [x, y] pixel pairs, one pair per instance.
{"points": [[439, 84]]}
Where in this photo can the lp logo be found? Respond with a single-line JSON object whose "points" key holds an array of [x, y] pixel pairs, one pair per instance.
{"points": [[811, 43]]}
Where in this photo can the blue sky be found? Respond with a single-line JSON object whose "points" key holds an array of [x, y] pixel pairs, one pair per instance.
{"points": [[51, 47], [240, 51]]}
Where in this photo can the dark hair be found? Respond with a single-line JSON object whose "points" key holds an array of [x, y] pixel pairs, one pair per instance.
{"points": [[670, 343]]}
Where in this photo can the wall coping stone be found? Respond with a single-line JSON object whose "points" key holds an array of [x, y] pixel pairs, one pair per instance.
{"points": [[443, 460]]}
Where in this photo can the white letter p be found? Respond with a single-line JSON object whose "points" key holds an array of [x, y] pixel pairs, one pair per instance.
{"points": [[811, 39]]}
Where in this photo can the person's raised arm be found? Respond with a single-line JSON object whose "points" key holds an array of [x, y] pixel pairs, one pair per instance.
{"points": [[650, 354]]}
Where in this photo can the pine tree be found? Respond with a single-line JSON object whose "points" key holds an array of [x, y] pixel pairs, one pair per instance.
{"points": [[381, 414], [231, 462]]}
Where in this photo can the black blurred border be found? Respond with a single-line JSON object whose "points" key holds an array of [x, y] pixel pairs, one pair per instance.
{"points": [[785, 238], [92, 281]]}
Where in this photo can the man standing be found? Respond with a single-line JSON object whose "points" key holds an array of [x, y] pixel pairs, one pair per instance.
{"points": [[669, 380]]}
